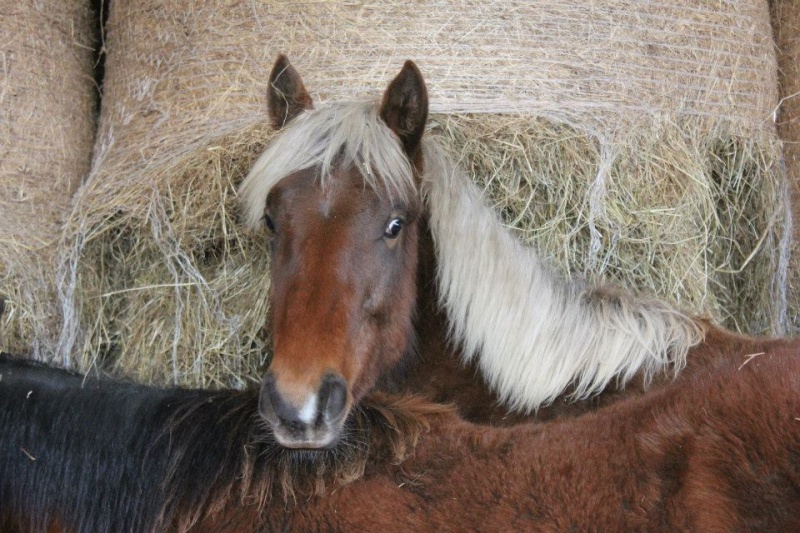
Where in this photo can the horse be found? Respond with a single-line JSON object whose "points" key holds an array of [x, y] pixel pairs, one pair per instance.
{"points": [[88, 453], [389, 272], [719, 451]]}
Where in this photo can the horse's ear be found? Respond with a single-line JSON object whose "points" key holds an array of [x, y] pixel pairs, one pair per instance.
{"points": [[405, 106], [287, 96]]}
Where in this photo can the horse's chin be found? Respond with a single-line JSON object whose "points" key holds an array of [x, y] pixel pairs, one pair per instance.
{"points": [[308, 445], [317, 439]]}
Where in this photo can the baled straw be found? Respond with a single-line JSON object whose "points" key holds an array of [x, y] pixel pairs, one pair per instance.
{"points": [[47, 125], [786, 24], [629, 140]]}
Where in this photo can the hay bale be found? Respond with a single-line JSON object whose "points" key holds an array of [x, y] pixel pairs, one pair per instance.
{"points": [[47, 125], [786, 24], [626, 140]]}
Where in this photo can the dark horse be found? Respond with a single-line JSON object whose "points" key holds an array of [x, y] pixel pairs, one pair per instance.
{"points": [[717, 452], [385, 257]]}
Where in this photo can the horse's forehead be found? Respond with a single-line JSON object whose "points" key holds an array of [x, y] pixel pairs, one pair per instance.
{"points": [[345, 190]]}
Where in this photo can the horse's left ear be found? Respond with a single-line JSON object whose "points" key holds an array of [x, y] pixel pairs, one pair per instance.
{"points": [[287, 97], [405, 106]]}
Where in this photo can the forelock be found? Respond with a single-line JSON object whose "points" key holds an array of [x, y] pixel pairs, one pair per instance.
{"points": [[331, 137]]}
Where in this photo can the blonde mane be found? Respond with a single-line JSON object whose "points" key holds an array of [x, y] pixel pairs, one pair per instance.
{"points": [[535, 334]]}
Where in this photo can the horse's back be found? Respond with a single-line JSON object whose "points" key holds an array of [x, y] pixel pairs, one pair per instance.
{"points": [[15, 370], [86, 452]]}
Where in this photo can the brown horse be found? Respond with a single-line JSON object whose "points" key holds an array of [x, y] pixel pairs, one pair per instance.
{"points": [[716, 452], [384, 255]]}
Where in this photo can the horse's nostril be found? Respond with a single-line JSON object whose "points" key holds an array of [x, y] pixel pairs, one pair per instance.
{"points": [[272, 406], [275, 409], [265, 399], [332, 396]]}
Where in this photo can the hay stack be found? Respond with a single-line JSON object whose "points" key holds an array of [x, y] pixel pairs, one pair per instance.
{"points": [[47, 125], [786, 24], [626, 140]]}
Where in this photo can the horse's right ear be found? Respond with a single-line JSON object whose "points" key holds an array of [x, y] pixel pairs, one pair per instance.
{"points": [[287, 96]]}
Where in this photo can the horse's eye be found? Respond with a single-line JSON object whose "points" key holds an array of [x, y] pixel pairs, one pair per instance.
{"points": [[269, 223], [393, 228]]}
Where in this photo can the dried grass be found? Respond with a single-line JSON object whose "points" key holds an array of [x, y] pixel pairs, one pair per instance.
{"points": [[653, 168], [47, 126], [786, 23], [168, 273]]}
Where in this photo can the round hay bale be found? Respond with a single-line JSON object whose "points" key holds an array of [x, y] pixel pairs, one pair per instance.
{"points": [[625, 140], [786, 24], [47, 126]]}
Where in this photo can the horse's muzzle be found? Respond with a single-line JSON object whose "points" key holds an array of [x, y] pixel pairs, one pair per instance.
{"points": [[315, 422]]}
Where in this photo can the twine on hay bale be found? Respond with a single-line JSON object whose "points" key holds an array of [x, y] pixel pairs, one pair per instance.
{"points": [[47, 125], [786, 23], [628, 141]]}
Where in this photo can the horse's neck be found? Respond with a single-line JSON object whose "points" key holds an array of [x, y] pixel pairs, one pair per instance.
{"points": [[438, 370], [429, 349], [434, 366], [430, 321]]}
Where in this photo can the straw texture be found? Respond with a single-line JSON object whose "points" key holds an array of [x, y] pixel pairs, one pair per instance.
{"points": [[786, 25], [47, 126]]}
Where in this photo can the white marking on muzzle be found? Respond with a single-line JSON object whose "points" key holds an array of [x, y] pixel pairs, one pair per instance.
{"points": [[308, 412]]}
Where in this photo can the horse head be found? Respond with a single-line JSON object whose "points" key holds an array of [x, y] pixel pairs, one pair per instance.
{"points": [[338, 191]]}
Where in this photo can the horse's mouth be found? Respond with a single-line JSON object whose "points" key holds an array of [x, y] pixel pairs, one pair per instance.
{"points": [[323, 442]]}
